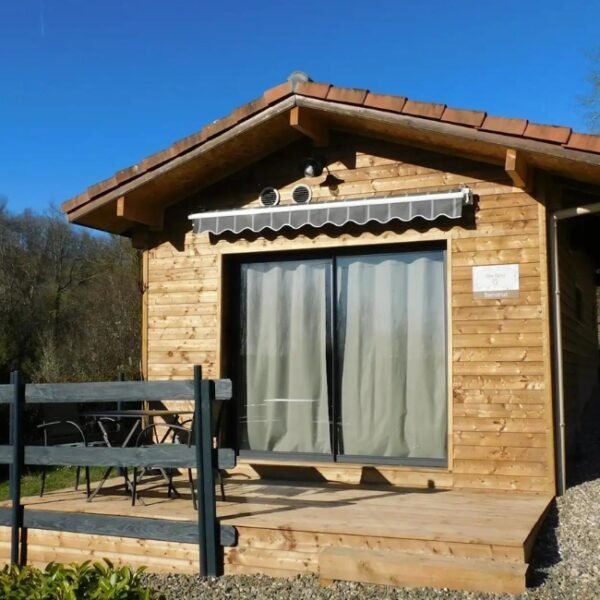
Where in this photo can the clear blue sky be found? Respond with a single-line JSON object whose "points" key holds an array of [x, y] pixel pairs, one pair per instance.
{"points": [[91, 86]]}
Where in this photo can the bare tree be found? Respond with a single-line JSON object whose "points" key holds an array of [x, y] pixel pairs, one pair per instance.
{"points": [[70, 302], [592, 100]]}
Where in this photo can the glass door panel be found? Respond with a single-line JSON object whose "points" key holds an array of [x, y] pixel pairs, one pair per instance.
{"points": [[285, 339], [391, 355]]}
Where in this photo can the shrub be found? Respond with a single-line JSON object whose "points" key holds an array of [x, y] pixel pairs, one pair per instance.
{"points": [[87, 581]]}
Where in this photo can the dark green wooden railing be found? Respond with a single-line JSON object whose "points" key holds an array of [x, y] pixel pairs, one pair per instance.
{"points": [[207, 532]]}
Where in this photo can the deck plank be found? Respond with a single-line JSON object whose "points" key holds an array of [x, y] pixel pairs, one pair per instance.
{"points": [[406, 570], [460, 516], [283, 528]]}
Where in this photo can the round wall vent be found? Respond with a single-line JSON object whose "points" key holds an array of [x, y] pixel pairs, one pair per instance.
{"points": [[301, 194], [269, 196]]}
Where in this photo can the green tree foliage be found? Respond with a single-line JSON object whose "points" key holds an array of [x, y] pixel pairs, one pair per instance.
{"points": [[70, 301]]}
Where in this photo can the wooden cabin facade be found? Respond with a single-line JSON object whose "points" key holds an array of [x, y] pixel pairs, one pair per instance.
{"points": [[446, 339], [496, 413]]}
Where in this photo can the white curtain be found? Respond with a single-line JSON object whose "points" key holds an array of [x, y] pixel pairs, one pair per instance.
{"points": [[392, 348], [285, 334]]}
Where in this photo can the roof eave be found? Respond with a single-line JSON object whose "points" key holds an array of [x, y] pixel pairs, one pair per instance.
{"points": [[80, 206], [347, 113], [498, 142]]}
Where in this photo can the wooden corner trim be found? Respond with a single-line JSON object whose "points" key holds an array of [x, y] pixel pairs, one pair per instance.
{"points": [[517, 168], [309, 125], [136, 213]]}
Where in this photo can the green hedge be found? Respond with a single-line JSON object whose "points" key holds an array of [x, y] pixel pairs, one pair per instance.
{"points": [[87, 581]]}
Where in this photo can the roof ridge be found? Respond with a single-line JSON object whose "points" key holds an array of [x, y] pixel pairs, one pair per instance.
{"points": [[299, 83]]}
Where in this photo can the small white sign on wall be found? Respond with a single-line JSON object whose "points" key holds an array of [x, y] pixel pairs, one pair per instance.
{"points": [[496, 281]]}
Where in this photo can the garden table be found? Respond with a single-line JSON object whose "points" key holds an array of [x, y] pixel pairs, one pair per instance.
{"points": [[136, 416]]}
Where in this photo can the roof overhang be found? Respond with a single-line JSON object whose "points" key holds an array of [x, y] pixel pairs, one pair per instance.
{"points": [[456, 139], [153, 190], [138, 196]]}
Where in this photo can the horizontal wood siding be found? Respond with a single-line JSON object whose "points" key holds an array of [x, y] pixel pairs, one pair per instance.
{"points": [[500, 433], [60, 546], [282, 529]]}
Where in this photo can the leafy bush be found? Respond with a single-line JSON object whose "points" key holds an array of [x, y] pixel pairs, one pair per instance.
{"points": [[87, 581]]}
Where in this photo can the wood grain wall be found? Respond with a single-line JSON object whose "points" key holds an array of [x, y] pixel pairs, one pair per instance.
{"points": [[45, 546], [500, 434]]}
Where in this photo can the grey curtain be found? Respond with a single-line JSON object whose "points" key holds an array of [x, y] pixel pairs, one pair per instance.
{"points": [[285, 335], [392, 347]]}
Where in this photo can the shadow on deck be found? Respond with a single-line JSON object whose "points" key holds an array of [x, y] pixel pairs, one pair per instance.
{"points": [[286, 528]]}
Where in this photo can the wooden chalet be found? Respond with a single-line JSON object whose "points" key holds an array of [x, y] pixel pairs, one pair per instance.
{"points": [[404, 296]]}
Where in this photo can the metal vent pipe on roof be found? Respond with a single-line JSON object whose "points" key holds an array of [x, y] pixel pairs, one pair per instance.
{"points": [[296, 77]]}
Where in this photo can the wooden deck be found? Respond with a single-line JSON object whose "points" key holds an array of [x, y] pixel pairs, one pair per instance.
{"points": [[290, 528]]}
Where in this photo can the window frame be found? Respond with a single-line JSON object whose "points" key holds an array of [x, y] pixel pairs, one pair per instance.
{"points": [[236, 260]]}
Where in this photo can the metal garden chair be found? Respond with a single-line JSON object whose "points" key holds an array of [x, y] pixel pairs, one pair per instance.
{"points": [[164, 433], [61, 427]]}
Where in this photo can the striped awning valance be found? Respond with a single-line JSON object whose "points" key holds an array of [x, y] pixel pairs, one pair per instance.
{"points": [[380, 210]]}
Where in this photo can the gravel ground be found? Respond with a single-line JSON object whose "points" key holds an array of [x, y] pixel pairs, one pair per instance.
{"points": [[565, 562]]}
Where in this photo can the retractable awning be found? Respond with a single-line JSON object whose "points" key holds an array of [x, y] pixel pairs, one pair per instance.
{"points": [[379, 210]]}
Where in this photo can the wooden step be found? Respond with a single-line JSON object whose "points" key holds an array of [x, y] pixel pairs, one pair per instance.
{"points": [[414, 570]]}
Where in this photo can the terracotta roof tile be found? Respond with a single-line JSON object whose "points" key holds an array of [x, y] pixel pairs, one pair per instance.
{"points": [[129, 173], [324, 91], [347, 95], [460, 116], [216, 127], [584, 141], [278, 92], [184, 144], [383, 102], [158, 158], [423, 109], [547, 133], [102, 186], [504, 125], [312, 89], [246, 110], [75, 201]]}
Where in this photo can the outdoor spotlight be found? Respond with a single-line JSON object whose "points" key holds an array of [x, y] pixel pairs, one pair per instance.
{"points": [[312, 167]]}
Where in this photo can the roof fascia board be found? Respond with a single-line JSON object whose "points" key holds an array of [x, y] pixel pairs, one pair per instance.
{"points": [[449, 129], [458, 132], [125, 188]]}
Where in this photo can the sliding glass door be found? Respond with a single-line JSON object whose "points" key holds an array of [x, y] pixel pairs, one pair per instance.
{"points": [[344, 357], [391, 345], [284, 326]]}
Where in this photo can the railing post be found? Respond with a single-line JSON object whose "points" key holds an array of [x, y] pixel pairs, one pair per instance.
{"points": [[120, 377], [209, 464], [16, 467], [198, 445], [206, 456]]}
